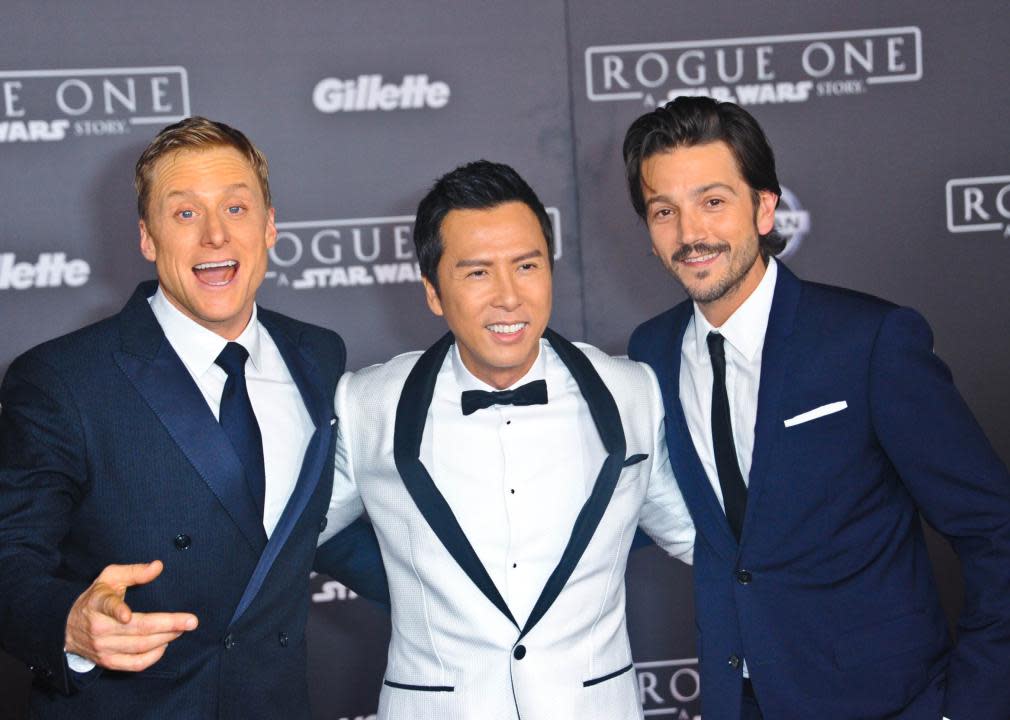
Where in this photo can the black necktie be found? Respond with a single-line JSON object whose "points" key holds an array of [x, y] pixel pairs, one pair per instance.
{"points": [[734, 492], [532, 393], [239, 421]]}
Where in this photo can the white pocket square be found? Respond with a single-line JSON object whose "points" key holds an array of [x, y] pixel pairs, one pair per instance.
{"points": [[818, 412]]}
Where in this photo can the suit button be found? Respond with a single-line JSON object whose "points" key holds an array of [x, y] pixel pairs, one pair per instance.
{"points": [[182, 542], [229, 642], [322, 524], [520, 652], [734, 662], [743, 577], [282, 638]]}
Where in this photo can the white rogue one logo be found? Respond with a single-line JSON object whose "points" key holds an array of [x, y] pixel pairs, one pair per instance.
{"points": [[979, 204], [369, 92]]}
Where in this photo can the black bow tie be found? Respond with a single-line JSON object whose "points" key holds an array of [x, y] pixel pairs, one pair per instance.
{"points": [[532, 393]]}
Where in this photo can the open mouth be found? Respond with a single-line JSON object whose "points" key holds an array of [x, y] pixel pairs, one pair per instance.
{"points": [[216, 274], [507, 330]]}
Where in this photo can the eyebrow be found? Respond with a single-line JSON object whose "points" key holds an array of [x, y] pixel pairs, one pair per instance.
{"points": [[482, 262], [693, 193], [189, 193]]}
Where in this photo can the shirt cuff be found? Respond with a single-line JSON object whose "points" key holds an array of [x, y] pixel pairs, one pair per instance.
{"points": [[79, 664]]}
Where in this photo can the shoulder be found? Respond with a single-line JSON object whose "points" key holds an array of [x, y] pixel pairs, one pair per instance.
{"points": [[74, 352], [325, 345], [842, 311], [617, 372], [658, 328], [380, 378]]}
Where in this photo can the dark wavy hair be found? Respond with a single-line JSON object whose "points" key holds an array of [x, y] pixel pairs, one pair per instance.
{"points": [[689, 121]]}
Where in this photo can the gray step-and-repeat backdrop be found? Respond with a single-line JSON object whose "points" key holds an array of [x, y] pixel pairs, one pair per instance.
{"points": [[889, 121]]}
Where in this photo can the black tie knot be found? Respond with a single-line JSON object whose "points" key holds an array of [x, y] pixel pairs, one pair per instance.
{"points": [[716, 349], [532, 393], [232, 359]]}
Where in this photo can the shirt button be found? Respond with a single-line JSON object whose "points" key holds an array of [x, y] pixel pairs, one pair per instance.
{"points": [[734, 661], [282, 638], [743, 577], [520, 652], [229, 642], [322, 524], [182, 541], [514, 565]]}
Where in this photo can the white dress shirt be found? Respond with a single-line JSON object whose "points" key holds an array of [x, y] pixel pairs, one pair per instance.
{"points": [[744, 334], [515, 476], [284, 421]]}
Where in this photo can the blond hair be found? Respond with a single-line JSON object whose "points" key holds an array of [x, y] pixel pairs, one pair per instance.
{"points": [[196, 133]]}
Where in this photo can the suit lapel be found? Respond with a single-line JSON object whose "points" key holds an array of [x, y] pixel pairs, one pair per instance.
{"points": [[411, 415], [607, 420], [161, 379], [319, 405], [687, 466], [774, 362]]}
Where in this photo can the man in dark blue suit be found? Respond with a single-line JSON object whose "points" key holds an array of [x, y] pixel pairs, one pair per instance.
{"points": [[808, 426], [180, 451]]}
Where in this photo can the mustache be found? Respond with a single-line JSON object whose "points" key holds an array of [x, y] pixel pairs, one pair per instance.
{"points": [[698, 249]]}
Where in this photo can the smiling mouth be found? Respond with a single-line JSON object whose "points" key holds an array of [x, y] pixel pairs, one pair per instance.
{"points": [[700, 259], [216, 274], [507, 328]]}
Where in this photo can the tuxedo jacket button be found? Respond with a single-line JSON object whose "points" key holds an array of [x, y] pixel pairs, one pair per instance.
{"points": [[322, 524], [229, 641], [520, 652], [734, 661], [182, 541], [743, 577], [282, 638]]}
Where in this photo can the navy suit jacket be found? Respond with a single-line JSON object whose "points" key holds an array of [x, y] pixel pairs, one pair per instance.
{"points": [[837, 614], [110, 454]]}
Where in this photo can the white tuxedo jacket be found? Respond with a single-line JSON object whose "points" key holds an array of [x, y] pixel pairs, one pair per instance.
{"points": [[456, 651]]}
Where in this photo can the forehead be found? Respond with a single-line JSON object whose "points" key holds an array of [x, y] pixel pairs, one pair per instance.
{"points": [[201, 169], [690, 166], [504, 229]]}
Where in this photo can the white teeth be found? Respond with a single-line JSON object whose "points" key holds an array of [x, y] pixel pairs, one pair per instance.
{"points": [[507, 329], [701, 258], [212, 265]]}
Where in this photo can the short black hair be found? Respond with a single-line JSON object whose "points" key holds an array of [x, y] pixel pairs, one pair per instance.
{"points": [[479, 185], [689, 121]]}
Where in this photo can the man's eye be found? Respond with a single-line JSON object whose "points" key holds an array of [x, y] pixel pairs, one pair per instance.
{"points": [[663, 212], [477, 273], [186, 214], [714, 202], [528, 266], [235, 209]]}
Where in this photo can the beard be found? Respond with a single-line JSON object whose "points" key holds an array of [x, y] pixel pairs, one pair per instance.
{"points": [[740, 264]]}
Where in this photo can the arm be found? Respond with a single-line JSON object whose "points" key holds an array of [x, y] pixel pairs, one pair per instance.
{"points": [[664, 516], [348, 549], [43, 477], [962, 489]]}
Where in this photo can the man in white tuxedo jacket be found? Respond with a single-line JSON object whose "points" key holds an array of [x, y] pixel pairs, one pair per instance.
{"points": [[505, 470]]}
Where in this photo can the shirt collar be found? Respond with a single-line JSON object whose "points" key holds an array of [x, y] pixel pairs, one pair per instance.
{"points": [[468, 381], [745, 329], [197, 346]]}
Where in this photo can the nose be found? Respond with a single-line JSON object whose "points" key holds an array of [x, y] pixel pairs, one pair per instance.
{"points": [[506, 294], [692, 227], [215, 234]]}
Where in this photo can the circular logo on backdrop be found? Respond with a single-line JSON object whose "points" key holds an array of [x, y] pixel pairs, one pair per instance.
{"points": [[792, 222]]}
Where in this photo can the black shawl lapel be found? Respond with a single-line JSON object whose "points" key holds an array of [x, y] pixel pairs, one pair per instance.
{"points": [[411, 414], [607, 419]]}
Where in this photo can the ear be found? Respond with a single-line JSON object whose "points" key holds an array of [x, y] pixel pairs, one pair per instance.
{"points": [[147, 246], [431, 295], [271, 234], [765, 215]]}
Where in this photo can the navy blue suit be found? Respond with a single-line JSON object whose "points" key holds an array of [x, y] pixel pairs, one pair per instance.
{"points": [[110, 454], [838, 615]]}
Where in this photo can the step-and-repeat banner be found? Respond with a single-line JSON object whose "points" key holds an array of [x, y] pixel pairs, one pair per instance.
{"points": [[889, 121]]}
